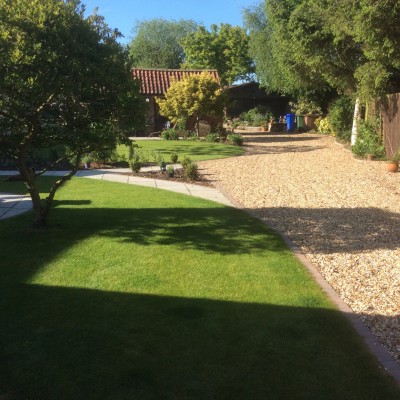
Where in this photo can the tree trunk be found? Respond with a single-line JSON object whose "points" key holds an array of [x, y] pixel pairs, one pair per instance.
{"points": [[198, 125], [356, 118], [41, 208], [28, 174]]}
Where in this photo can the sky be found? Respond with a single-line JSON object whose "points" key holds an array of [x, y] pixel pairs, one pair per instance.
{"points": [[123, 14]]}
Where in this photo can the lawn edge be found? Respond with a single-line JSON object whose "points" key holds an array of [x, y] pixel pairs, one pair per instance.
{"points": [[384, 357]]}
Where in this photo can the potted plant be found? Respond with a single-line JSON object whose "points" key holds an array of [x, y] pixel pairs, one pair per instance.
{"points": [[393, 162]]}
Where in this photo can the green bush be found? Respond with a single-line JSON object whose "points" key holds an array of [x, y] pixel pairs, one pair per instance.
{"points": [[170, 171], [212, 137], [170, 134], [235, 139], [190, 170], [134, 163], [257, 116], [340, 116], [186, 160], [369, 141], [174, 158], [324, 126]]}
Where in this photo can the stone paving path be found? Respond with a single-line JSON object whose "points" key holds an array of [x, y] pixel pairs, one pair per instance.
{"points": [[11, 204]]}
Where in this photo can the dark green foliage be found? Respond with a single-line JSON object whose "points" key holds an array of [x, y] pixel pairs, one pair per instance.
{"points": [[257, 116], [157, 43], [340, 115], [135, 163], [174, 158], [369, 140], [64, 81], [190, 170], [224, 48], [212, 137], [170, 171], [235, 138], [186, 161], [170, 134]]}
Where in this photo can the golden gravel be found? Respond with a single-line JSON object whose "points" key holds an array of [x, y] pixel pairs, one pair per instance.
{"points": [[343, 213]]}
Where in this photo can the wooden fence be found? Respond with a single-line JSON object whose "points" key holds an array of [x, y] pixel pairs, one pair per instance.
{"points": [[391, 123]]}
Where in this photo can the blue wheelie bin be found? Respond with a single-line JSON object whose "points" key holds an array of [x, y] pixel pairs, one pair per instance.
{"points": [[290, 122]]}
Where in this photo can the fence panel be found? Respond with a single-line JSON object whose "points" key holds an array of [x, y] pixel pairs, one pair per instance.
{"points": [[391, 123]]}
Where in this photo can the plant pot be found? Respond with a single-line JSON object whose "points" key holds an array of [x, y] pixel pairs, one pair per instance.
{"points": [[392, 166]]}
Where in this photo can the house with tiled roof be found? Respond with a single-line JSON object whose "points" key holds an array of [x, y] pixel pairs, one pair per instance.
{"points": [[154, 83]]}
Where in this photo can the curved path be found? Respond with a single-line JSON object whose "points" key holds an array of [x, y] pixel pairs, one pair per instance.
{"points": [[11, 204]]}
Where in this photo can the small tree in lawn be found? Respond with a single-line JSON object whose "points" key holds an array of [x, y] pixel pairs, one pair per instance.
{"points": [[196, 95], [64, 80]]}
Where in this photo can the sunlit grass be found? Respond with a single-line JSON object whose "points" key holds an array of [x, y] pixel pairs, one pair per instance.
{"points": [[139, 293], [197, 151]]}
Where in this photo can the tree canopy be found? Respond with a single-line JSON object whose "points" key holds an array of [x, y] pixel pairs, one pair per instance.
{"points": [[224, 48], [157, 43], [346, 45], [64, 80], [196, 95]]}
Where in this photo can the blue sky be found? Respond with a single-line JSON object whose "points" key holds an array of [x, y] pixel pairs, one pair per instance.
{"points": [[123, 14]]}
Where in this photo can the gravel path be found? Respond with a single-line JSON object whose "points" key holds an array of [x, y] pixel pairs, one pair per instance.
{"points": [[343, 213]]}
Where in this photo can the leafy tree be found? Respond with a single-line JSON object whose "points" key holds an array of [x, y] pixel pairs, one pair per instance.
{"points": [[196, 95], [64, 80], [157, 43], [224, 48]]}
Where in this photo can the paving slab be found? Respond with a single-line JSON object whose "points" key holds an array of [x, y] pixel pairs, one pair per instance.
{"points": [[11, 205]]}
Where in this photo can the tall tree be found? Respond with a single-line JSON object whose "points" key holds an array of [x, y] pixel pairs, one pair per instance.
{"points": [[157, 43], [64, 80], [196, 95], [224, 48]]}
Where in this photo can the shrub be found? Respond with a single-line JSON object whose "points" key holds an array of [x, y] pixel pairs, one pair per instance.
{"points": [[235, 139], [340, 116], [212, 137], [257, 116], [135, 163], [186, 160], [369, 141], [170, 171], [324, 126], [170, 134], [190, 170], [174, 158]]}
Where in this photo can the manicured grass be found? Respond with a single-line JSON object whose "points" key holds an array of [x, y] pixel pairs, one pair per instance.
{"points": [[134, 293], [197, 151]]}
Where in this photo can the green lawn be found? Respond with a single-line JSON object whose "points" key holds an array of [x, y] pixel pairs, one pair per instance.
{"points": [[135, 293], [197, 151]]}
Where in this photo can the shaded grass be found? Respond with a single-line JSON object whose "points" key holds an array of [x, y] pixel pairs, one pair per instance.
{"points": [[197, 151], [138, 293]]}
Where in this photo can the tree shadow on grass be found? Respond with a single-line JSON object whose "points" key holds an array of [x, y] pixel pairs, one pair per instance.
{"points": [[69, 343], [221, 230]]}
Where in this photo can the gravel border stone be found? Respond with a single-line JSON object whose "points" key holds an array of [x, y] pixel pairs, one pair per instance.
{"points": [[342, 213]]}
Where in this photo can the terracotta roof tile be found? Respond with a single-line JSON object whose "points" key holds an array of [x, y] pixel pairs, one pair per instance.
{"points": [[158, 81]]}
